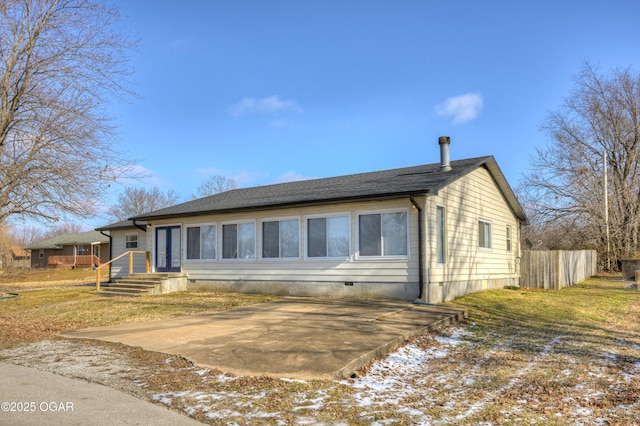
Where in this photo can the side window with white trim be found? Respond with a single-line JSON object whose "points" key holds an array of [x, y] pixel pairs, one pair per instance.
{"points": [[484, 234], [131, 241]]}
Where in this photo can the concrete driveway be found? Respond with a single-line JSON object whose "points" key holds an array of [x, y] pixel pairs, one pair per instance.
{"points": [[34, 397], [303, 338]]}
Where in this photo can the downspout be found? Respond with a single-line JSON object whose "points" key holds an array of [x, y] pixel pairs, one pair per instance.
{"points": [[110, 251], [143, 228], [420, 247]]}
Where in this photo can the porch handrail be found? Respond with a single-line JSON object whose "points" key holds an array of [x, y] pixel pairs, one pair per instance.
{"points": [[130, 253]]}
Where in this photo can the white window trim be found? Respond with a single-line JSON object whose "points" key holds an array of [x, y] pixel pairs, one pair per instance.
{"points": [[186, 226], [446, 237], [260, 243], [137, 241], [490, 248], [382, 256], [326, 216], [255, 241]]}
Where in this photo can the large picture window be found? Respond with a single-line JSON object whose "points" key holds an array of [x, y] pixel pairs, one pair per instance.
{"points": [[239, 241], [201, 242], [383, 234], [484, 234], [281, 239], [328, 237]]}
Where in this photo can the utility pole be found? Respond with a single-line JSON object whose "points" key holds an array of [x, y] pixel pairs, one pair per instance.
{"points": [[606, 208]]}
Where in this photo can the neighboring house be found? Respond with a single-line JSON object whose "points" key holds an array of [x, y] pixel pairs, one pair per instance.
{"points": [[16, 258], [430, 232], [126, 236], [82, 250], [20, 258]]}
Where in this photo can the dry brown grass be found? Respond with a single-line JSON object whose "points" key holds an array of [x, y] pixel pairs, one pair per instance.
{"points": [[21, 279], [525, 357], [41, 314]]}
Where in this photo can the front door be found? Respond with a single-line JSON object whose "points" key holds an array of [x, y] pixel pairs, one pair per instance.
{"points": [[168, 249]]}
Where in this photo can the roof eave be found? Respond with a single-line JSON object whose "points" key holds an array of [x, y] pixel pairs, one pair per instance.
{"points": [[325, 202]]}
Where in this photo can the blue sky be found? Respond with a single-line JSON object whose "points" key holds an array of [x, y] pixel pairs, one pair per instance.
{"points": [[271, 91]]}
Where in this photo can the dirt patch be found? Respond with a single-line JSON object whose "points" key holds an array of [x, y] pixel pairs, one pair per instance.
{"points": [[120, 367]]}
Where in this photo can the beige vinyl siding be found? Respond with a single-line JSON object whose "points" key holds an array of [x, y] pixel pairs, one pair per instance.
{"points": [[470, 199], [303, 269], [120, 267]]}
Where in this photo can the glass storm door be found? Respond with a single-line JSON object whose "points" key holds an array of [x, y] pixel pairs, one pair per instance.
{"points": [[168, 249]]}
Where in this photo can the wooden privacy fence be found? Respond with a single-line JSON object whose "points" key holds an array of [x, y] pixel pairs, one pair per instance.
{"points": [[555, 269]]}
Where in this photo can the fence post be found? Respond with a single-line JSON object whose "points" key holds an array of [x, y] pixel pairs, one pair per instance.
{"points": [[130, 262], [97, 279]]}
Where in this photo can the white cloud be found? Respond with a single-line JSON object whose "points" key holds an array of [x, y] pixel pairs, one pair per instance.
{"points": [[137, 174], [247, 178], [269, 105], [461, 108], [291, 176]]}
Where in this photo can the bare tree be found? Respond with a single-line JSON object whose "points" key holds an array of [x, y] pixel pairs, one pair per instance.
{"points": [[214, 185], [6, 245], [136, 201], [23, 236], [597, 129], [61, 63], [63, 229]]}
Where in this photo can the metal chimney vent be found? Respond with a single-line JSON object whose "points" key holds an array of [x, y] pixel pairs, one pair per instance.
{"points": [[444, 142]]}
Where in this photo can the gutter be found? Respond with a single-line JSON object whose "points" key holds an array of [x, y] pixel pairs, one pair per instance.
{"points": [[420, 247], [110, 250], [304, 203], [143, 228]]}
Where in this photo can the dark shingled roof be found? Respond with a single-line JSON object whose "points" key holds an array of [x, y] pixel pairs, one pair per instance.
{"points": [[123, 224], [426, 179]]}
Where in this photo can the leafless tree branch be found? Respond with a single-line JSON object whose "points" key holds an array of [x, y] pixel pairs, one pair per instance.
{"points": [[61, 63]]}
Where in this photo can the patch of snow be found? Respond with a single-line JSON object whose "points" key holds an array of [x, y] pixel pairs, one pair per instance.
{"points": [[284, 379], [222, 414]]}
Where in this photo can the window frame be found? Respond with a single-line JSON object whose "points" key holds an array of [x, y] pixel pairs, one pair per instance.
{"points": [[346, 215], [482, 226], [509, 239], [441, 236], [382, 256], [214, 225], [126, 243], [279, 220], [222, 240]]}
